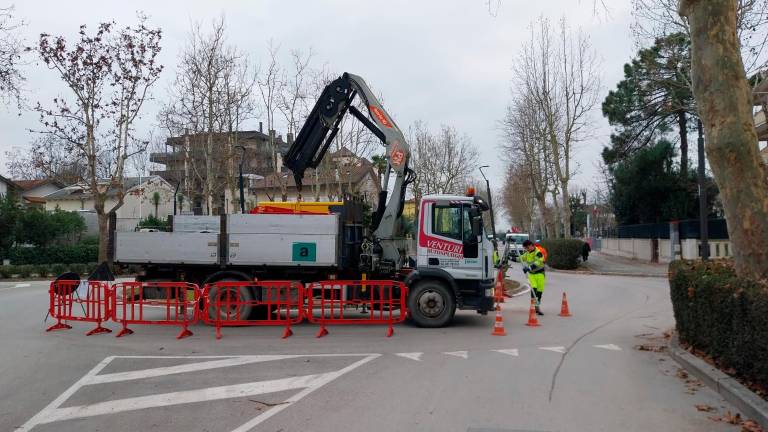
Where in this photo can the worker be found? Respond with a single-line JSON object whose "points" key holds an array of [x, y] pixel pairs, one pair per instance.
{"points": [[533, 265], [585, 250], [495, 254]]}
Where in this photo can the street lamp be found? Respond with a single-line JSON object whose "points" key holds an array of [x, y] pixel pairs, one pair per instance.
{"points": [[703, 210], [490, 199], [242, 194]]}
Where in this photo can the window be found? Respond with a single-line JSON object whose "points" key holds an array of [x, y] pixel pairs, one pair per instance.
{"points": [[446, 221], [467, 224]]}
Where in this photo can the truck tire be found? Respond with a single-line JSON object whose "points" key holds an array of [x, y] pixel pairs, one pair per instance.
{"points": [[243, 294], [431, 304]]}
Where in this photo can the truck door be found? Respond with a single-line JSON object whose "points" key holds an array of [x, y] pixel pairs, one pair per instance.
{"points": [[445, 240]]}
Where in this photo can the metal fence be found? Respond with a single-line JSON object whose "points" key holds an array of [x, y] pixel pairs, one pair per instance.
{"points": [[688, 229]]}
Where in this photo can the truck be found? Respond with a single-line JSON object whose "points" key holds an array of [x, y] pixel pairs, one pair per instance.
{"points": [[452, 267], [513, 242]]}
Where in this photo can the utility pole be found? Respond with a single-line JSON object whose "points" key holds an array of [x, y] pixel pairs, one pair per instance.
{"points": [[242, 194], [490, 200], [703, 213]]}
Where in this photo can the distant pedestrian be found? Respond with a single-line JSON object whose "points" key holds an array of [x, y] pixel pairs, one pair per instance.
{"points": [[533, 265], [585, 250]]}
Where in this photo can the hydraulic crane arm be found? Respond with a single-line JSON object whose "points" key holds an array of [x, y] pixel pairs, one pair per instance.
{"points": [[321, 128]]}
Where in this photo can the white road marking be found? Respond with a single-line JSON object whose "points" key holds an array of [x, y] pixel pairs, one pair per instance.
{"points": [[21, 285], [190, 367], [328, 377], [462, 354], [52, 412], [557, 349], [48, 410], [610, 347], [513, 352], [183, 397], [413, 356]]}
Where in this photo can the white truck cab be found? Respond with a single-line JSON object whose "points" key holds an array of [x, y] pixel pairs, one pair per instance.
{"points": [[514, 245]]}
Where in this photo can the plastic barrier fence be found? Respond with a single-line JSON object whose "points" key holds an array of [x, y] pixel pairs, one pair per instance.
{"points": [[79, 301], [155, 303], [264, 303], [356, 302]]}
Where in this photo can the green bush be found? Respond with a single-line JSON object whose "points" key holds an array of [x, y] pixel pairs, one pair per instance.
{"points": [[563, 253], [41, 270], [723, 315], [90, 240], [6, 271], [24, 270], [54, 254], [58, 269]]}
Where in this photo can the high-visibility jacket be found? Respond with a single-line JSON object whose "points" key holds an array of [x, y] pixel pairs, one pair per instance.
{"points": [[534, 260]]}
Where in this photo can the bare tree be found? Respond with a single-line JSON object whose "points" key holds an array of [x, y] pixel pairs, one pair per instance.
{"points": [[270, 82], [108, 76], [443, 161], [558, 73], [517, 196], [208, 99], [11, 79]]}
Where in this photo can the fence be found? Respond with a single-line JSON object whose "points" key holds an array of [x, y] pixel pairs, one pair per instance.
{"points": [[227, 304], [375, 301], [174, 304], [688, 229], [233, 304], [91, 298]]}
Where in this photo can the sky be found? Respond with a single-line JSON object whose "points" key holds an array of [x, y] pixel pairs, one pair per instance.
{"points": [[443, 62]]}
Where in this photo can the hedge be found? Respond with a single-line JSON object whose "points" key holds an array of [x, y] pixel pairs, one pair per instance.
{"points": [[54, 254], [563, 253], [723, 315], [53, 270]]}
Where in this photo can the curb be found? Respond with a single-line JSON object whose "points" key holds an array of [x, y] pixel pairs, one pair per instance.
{"points": [[751, 405], [584, 272]]}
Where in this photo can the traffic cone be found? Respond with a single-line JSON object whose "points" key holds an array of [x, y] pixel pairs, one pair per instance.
{"points": [[532, 320], [499, 290], [564, 312], [498, 326]]}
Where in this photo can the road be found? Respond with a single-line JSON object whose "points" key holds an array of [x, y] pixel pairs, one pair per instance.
{"points": [[581, 373]]}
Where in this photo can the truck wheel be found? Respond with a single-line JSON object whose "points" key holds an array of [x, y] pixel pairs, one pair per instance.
{"points": [[431, 304], [242, 295]]}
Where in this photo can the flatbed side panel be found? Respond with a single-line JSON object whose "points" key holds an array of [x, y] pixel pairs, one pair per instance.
{"points": [[287, 249], [166, 247], [283, 223], [186, 223]]}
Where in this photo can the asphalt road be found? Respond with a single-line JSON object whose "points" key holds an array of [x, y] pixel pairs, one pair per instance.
{"points": [[581, 373]]}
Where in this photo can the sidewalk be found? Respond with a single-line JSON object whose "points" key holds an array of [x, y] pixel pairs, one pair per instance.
{"points": [[599, 263]]}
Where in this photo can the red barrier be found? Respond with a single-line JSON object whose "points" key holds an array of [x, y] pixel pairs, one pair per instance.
{"points": [[262, 303], [73, 301], [158, 303], [376, 299]]}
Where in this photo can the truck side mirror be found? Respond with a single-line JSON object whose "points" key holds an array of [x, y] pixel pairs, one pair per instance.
{"points": [[477, 226]]}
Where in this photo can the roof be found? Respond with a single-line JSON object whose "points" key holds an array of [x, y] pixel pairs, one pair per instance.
{"points": [[9, 182], [241, 135], [31, 184], [79, 191], [35, 200], [347, 174]]}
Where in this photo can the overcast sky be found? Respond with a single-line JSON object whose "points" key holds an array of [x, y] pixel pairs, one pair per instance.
{"points": [[444, 62]]}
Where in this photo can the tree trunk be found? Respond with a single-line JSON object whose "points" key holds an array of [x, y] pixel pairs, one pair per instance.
{"points": [[682, 124], [724, 101], [566, 211], [103, 219]]}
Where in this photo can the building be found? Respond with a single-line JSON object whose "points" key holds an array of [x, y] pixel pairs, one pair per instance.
{"points": [[33, 191], [138, 202], [8, 185], [184, 162]]}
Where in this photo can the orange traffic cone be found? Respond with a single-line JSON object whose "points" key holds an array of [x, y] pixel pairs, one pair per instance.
{"points": [[498, 326], [532, 320], [564, 312], [499, 290]]}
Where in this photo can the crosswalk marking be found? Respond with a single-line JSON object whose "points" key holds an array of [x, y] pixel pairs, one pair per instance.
{"points": [[413, 355], [462, 354]]}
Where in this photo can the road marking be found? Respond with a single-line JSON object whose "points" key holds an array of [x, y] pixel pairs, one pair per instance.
{"points": [[328, 377], [557, 349], [462, 354], [609, 347], [21, 285], [413, 356], [513, 352], [190, 367], [309, 383]]}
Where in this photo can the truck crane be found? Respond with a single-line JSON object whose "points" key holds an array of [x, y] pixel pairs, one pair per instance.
{"points": [[453, 267]]}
